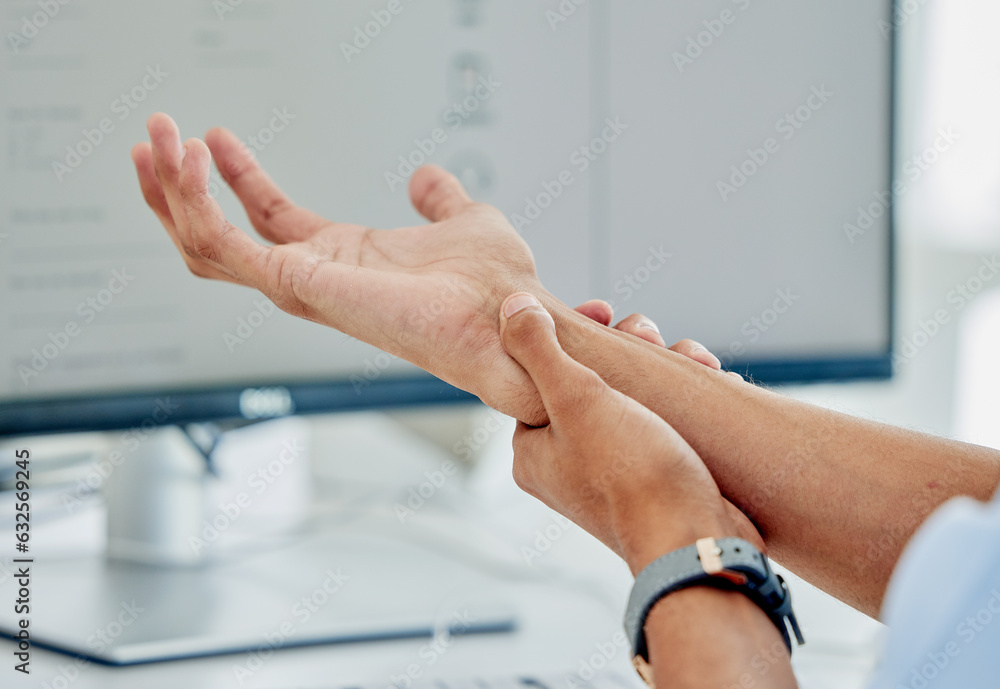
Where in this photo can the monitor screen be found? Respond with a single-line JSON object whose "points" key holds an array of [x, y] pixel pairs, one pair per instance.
{"points": [[723, 167]]}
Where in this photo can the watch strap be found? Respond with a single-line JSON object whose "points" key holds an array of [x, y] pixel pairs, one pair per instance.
{"points": [[729, 563]]}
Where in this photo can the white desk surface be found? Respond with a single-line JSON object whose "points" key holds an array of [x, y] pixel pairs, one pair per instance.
{"points": [[569, 601]]}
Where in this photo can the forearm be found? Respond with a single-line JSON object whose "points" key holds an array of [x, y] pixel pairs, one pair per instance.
{"points": [[835, 497], [707, 638]]}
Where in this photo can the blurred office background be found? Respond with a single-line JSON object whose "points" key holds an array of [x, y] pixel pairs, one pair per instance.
{"points": [[945, 382]]}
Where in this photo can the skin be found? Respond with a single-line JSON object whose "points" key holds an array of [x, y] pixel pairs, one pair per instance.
{"points": [[698, 637], [835, 498]]}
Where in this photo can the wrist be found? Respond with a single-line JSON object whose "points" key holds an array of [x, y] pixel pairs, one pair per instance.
{"points": [[646, 534]]}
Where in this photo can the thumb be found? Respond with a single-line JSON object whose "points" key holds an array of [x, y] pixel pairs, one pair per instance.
{"points": [[437, 194], [529, 336]]}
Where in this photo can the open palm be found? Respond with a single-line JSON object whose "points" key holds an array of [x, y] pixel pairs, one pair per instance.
{"points": [[429, 294]]}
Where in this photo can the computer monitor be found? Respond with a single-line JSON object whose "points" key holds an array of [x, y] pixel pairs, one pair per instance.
{"points": [[724, 168]]}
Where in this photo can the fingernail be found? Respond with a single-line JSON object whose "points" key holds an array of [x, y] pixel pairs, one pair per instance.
{"points": [[519, 303], [184, 151], [650, 325]]}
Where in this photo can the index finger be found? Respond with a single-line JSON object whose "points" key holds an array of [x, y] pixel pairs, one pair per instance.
{"points": [[213, 238]]}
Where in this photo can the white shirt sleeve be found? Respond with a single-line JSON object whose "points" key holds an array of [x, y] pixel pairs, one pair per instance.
{"points": [[943, 603]]}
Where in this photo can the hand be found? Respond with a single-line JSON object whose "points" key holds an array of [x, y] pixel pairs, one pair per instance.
{"points": [[642, 327], [429, 294], [605, 461]]}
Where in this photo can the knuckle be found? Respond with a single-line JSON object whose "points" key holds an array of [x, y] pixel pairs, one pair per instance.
{"points": [[300, 280], [192, 193], [200, 249], [237, 166], [290, 283], [165, 166], [272, 207]]}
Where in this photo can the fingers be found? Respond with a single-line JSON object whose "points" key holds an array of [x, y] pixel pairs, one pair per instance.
{"points": [[597, 310], [142, 157], [643, 328], [437, 194], [167, 155], [212, 237], [271, 212], [698, 352], [529, 336]]}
